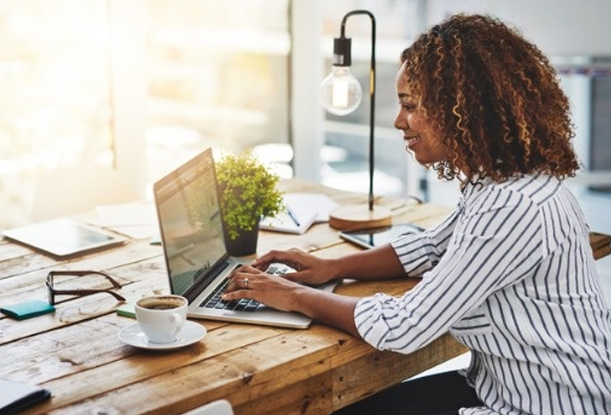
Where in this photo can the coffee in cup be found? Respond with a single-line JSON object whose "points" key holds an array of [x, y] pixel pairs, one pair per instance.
{"points": [[161, 317]]}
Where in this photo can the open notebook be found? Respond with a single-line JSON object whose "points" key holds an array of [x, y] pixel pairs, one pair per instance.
{"points": [[302, 211]]}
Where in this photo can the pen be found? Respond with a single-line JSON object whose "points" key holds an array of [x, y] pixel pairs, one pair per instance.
{"points": [[292, 216]]}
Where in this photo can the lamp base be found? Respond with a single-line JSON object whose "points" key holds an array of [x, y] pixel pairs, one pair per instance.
{"points": [[353, 217]]}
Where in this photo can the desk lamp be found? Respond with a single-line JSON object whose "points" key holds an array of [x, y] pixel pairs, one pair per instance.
{"points": [[340, 94]]}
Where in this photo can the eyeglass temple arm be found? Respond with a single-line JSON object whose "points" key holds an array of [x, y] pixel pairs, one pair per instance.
{"points": [[89, 292], [87, 272]]}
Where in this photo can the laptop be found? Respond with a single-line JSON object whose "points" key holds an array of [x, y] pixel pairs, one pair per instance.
{"points": [[192, 237]]}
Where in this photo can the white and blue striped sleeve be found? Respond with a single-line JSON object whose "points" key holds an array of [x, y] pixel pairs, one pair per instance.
{"points": [[493, 243]]}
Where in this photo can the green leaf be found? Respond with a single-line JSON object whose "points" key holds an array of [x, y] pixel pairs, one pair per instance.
{"points": [[247, 192]]}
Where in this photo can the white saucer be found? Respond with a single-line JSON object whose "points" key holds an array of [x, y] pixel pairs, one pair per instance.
{"points": [[191, 333]]}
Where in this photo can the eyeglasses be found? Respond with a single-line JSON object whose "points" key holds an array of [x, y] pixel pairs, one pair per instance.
{"points": [[80, 291]]}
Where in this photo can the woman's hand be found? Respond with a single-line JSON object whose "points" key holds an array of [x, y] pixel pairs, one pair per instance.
{"points": [[272, 290], [282, 294], [287, 293], [309, 268]]}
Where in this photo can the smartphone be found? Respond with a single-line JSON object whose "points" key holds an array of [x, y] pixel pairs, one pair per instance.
{"points": [[372, 237]]}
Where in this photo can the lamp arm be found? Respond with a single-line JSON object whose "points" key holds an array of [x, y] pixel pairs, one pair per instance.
{"points": [[372, 89]]}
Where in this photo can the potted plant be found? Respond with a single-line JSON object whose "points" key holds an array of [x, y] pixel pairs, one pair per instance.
{"points": [[247, 192]]}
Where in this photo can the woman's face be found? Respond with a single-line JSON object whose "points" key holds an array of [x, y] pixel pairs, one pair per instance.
{"points": [[418, 133]]}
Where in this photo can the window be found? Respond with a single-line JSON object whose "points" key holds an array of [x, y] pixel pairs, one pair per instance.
{"points": [[139, 85], [54, 104], [217, 77]]}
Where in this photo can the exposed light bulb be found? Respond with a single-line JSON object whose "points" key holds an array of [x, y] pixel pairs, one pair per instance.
{"points": [[340, 92]]}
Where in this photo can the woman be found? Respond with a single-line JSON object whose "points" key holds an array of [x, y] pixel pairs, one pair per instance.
{"points": [[510, 272]]}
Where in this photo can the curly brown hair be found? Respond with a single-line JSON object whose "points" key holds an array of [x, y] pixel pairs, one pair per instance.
{"points": [[495, 97]]}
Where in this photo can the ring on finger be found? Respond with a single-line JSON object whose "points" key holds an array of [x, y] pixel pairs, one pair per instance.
{"points": [[245, 281]]}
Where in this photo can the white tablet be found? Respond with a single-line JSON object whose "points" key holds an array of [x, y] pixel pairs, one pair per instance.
{"points": [[62, 237], [369, 238]]}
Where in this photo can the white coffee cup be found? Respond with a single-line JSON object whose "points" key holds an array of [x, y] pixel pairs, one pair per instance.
{"points": [[161, 317]]}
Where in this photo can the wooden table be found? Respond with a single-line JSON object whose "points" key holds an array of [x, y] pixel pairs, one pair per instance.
{"points": [[76, 354]]}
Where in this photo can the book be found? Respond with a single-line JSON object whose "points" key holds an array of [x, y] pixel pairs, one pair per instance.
{"points": [[302, 211]]}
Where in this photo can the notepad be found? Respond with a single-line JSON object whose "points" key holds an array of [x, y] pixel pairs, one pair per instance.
{"points": [[302, 211], [127, 310], [27, 309]]}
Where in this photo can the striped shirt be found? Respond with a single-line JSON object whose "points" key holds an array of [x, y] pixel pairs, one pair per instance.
{"points": [[510, 274]]}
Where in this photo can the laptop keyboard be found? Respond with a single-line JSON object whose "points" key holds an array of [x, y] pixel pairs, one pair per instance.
{"points": [[245, 304]]}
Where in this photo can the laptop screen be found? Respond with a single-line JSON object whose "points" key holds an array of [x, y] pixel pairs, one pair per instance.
{"points": [[190, 222]]}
